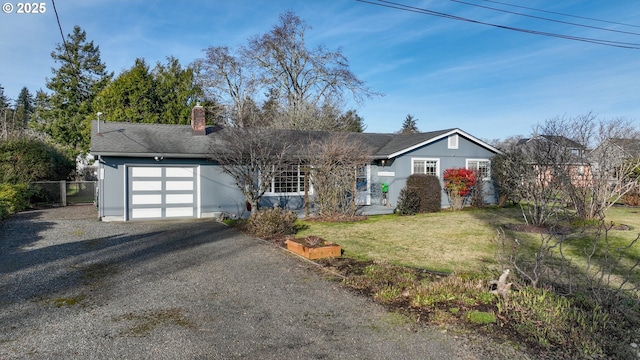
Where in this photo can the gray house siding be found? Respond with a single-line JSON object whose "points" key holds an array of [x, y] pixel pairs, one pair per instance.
{"points": [[157, 171], [447, 158], [214, 192]]}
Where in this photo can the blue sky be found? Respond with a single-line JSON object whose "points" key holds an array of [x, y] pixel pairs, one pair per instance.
{"points": [[490, 82]]}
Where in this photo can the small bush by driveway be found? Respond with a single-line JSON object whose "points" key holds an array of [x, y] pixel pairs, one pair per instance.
{"points": [[74, 287]]}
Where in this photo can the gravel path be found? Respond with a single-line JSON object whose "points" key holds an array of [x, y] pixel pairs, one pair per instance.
{"points": [[74, 287]]}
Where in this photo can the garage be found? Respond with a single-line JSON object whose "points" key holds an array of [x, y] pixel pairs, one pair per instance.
{"points": [[159, 192]]}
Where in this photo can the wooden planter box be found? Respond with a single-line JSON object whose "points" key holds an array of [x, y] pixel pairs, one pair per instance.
{"points": [[328, 250]]}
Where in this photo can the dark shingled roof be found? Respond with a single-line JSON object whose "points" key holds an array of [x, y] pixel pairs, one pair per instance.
{"points": [[556, 139], [144, 140], [630, 146]]}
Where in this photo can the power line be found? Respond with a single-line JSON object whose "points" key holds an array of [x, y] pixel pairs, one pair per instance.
{"points": [[543, 18], [563, 14], [64, 42], [398, 6]]}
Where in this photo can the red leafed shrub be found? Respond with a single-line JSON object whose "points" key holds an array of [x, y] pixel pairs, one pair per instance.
{"points": [[458, 184]]}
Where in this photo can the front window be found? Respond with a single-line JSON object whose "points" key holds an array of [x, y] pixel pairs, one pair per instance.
{"points": [[482, 167], [289, 180], [426, 166]]}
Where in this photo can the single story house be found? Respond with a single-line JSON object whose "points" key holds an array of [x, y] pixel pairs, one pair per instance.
{"points": [[160, 171]]}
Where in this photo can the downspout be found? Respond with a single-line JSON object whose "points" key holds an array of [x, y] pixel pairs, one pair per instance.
{"points": [[100, 188], [100, 177]]}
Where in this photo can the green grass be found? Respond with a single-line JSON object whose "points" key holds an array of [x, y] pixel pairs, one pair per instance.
{"points": [[460, 242], [467, 243]]}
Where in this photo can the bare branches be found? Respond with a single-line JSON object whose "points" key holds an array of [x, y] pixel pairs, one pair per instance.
{"points": [[335, 163], [252, 157], [230, 81], [555, 167], [300, 81]]}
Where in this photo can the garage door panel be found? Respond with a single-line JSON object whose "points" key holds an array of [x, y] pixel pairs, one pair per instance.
{"points": [[179, 212], [179, 185], [146, 213], [146, 172], [146, 199], [179, 198], [179, 172], [146, 185], [158, 192]]}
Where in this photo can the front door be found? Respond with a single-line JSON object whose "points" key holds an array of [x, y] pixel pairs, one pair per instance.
{"points": [[363, 185]]}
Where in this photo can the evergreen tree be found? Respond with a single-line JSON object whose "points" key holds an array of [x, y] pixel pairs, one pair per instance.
{"points": [[351, 121], [165, 94], [5, 113], [25, 107], [409, 125], [130, 97], [74, 85], [4, 100], [176, 90]]}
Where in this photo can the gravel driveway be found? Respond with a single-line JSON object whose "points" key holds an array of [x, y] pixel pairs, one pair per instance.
{"points": [[74, 287]]}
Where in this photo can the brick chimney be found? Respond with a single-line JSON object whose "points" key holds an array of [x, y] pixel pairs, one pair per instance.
{"points": [[198, 122]]}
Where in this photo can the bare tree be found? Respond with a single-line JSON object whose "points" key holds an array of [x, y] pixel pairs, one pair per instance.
{"points": [[231, 81], [531, 172], [302, 77], [555, 167], [252, 157], [307, 88], [335, 162], [610, 170], [593, 181]]}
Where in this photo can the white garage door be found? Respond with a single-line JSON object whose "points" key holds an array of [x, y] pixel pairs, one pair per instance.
{"points": [[161, 192]]}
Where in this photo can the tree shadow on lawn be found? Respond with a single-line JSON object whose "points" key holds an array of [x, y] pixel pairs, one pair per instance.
{"points": [[576, 242]]}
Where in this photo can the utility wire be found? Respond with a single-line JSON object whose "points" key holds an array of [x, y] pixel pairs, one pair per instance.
{"points": [[543, 18], [563, 14], [398, 6], [64, 42]]}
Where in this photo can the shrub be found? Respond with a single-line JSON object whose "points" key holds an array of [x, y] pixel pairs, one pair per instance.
{"points": [[428, 191], [25, 160], [458, 184], [334, 161], [477, 196], [631, 199], [13, 199], [408, 202], [272, 222]]}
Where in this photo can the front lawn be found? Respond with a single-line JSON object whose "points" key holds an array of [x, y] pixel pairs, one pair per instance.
{"points": [[454, 242], [460, 241], [588, 324]]}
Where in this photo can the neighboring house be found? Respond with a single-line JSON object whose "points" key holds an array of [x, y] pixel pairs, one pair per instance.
{"points": [[612, 153], [618, 149], [550, 152], [574, 148], [157, 171]]}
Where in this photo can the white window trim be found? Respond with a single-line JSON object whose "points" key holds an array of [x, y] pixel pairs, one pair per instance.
{"points": [[452, 141], [297, 193], [437, 160], [478, 160]]}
